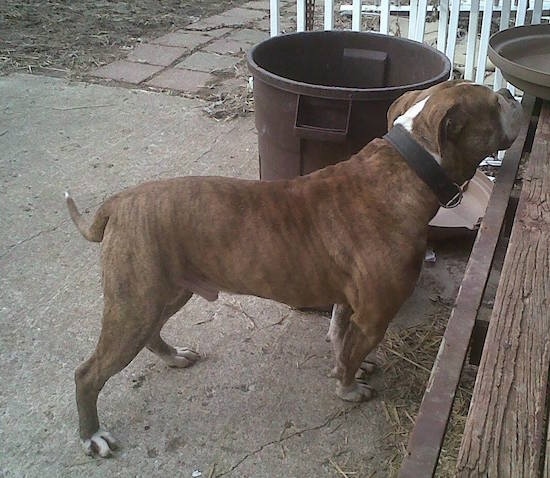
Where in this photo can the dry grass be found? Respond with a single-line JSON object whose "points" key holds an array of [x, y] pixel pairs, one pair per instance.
{"points": [[408, 356], [226, 105], [71, 37], [233, 102]]}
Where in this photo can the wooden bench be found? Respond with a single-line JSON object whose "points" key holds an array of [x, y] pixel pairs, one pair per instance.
{"points": [[505, 429]]}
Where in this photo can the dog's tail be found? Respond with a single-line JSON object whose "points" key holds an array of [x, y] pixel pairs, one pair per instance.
{"points": [[92, 232]]}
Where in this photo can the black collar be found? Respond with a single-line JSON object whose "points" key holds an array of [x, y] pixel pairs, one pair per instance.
{"points": [[425, 166]]}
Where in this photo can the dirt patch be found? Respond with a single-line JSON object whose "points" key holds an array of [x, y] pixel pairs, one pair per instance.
{"points": [[71, 37], [229, 103]]}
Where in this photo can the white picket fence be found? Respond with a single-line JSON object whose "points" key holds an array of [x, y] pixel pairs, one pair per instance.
{"points": [[475, 67]]}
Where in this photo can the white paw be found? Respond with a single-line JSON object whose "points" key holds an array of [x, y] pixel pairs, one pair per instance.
{"points": [[101, 443], [183, 357], [357, 392]]}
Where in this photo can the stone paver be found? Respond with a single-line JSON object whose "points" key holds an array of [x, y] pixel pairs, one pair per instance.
{"points": [[248, 35], [156, 54], [127, 71], [203, 54], [233, 17], [187, 40], [243, 15], [181, 80], [226, 46], [208, 62], [257, 5]]}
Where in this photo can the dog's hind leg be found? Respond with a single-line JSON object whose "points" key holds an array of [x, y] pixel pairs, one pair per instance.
{"points": [[126, 328], [180, 357]]}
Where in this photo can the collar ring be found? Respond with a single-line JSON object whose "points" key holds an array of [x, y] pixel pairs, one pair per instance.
{"points": [[455, 200]]}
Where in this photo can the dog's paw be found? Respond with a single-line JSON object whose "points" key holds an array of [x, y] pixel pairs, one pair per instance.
{"points": [[359, 391], [101, 443], [368, 367], [183, 358]]}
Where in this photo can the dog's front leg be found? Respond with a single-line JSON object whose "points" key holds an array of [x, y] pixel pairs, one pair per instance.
{"points": [[351, 346]]}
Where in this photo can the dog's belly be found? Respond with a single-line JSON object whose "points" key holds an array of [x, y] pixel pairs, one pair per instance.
{"points": [[298, 291], [296, 274]]}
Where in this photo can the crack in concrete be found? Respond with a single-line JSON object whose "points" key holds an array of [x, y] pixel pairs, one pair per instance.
{"points": [[212, 147], [327, 422], [205, 152], [13, 246]]}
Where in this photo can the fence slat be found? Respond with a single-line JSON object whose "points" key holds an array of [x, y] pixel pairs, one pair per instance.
{"points": [[472, 40], [412, 19], [504, 23], [274, 17], [329, 15], [443, 25], [520, 20], [300, 15], [484, 41], [385, 16], [537, 12], [356, 16], [421, 20], [453, 29], [521, 12]]}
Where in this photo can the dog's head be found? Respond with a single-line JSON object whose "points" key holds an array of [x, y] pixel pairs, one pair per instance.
{"points": [[459, 122]]}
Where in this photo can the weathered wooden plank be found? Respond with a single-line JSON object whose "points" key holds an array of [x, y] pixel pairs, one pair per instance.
{"points": [[546, 473], [505, 433], [431, 422]]}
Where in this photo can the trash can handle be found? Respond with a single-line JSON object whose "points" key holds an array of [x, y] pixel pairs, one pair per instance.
{"points": [[321, 119]]}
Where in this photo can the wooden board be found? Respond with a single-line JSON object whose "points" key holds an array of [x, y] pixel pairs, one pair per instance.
{"points": [[431, 422], [505, 433]]}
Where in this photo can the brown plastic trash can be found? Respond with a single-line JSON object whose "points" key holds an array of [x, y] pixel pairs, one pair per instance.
{"points": [[321, 96]]}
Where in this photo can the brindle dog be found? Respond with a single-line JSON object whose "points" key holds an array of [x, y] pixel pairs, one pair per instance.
{"points": [[353, 234]]}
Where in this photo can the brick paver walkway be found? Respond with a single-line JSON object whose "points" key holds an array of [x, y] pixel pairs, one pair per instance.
{"points": [[203, 58]]}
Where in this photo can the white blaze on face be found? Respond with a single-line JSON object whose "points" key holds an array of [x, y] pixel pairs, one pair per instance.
{"points": [[406, 119]]}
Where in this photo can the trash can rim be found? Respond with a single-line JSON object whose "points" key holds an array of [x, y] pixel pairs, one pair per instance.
{"points": [[343, 92]]}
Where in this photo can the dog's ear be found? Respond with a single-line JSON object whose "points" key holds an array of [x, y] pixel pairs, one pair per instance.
{"points": [[450, 128], [401, 105], [454, 149]]}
